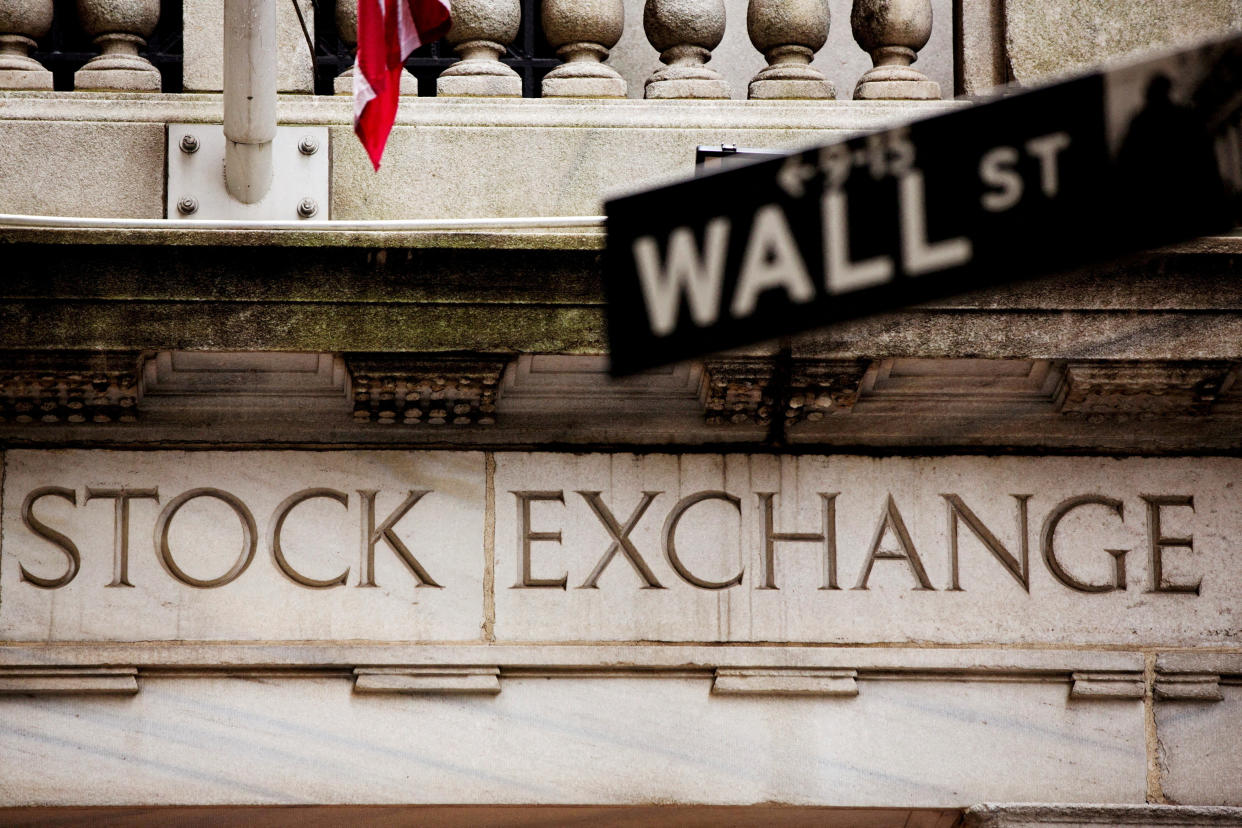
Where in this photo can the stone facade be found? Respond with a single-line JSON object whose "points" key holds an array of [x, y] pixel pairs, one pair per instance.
{"points": [[377, 528]]}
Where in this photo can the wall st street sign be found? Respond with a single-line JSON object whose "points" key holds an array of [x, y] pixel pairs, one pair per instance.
{"points": [[1123, 159]]}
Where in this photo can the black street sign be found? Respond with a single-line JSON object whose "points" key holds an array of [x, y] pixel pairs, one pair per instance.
{"points": [[1124, 159]]}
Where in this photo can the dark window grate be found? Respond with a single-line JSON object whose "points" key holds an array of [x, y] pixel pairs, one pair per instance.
{"points": [[67, 47]]}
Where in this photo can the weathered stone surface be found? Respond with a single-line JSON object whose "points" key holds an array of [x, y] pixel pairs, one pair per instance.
{"points": [[1045, 38], [1199, 758], [481, 31], [684, 32], [548, 157], [578, 581], [82, 169], [1089, 816], [789, 35], [618, 740], [203, 39], [737, 61], [119, 28], [22, 22], [582, 34], [207, 541], [893, 32]]}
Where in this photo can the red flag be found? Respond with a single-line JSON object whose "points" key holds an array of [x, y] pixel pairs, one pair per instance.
{"points": [[388, 30]]}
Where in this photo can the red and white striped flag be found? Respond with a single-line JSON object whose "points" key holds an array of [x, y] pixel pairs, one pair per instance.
{"points": [[388, 30]]}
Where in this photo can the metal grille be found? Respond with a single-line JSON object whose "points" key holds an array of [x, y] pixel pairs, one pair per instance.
{"points": [[529, 55], [67, 47]]}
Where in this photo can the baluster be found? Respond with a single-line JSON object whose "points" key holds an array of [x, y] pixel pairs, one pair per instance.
{"points": [[347, 28], [893, 32], [22, 22], [120, 29], [684, 32], [481, 31], [789, 33], [583, 32]]}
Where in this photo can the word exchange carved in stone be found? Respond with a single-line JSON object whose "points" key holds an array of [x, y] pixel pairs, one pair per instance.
{"points": [[888, 523]]}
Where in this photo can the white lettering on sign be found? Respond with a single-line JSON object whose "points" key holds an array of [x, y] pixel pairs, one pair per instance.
{"points": [[918, 255], [840, 274], [772, 261], [998, 169], [773, 258], [685, 270]]}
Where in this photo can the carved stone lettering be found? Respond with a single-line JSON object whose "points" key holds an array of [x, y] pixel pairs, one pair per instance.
{"points": [[49, 534], [278, 523], [827, 537], [371, 535], [1019, 568], [685, 530], [1048, 539], [1157, 542], [670, 545], [620, 540], [249, 537], [120, 524], [526, 537], [891, 520]]}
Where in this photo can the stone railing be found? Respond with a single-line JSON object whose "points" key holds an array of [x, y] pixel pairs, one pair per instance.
{"points": [[788, 33], [119, 31]]}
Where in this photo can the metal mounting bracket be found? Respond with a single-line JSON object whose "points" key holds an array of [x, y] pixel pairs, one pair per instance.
{"points": [[196, 188]]}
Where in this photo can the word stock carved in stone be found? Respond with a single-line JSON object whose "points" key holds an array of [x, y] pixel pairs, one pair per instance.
{"points": [[372, 534], [888, 523]]}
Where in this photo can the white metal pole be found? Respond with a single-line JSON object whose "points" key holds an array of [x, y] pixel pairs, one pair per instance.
{"points": [[249, 97]]}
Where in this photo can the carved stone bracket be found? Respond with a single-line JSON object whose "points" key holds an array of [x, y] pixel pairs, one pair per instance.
{"points": [[1141, 390], [746, 390], [67, 681], [1107, 685], [428, 680], [820, 387], [70, 388], [738, 390], [420, 389], [775, 681], [1194, 687]]}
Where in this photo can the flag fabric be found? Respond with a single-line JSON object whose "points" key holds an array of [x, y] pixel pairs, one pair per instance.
{"points": [[388, 30]]}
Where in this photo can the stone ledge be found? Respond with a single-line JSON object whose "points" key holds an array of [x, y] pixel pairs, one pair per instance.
{"points": [[516, 112], [1081, 816], [1116, 685], [68, 681], [932, 662], [784, 682], [428, 680]]}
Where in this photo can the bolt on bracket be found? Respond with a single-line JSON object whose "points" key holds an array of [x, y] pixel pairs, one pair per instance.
{"points": [[196, 187]]}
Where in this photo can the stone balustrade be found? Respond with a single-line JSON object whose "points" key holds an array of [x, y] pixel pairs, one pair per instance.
{"points": [[582, 33]]}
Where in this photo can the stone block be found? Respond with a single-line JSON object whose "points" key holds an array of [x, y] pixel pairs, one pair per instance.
{"points": [[1045, 38], [89, 78], [203, 44], [217, 513], [569, 739], [885, 569], [35, 77], [1200, 763], [82, 168]]}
